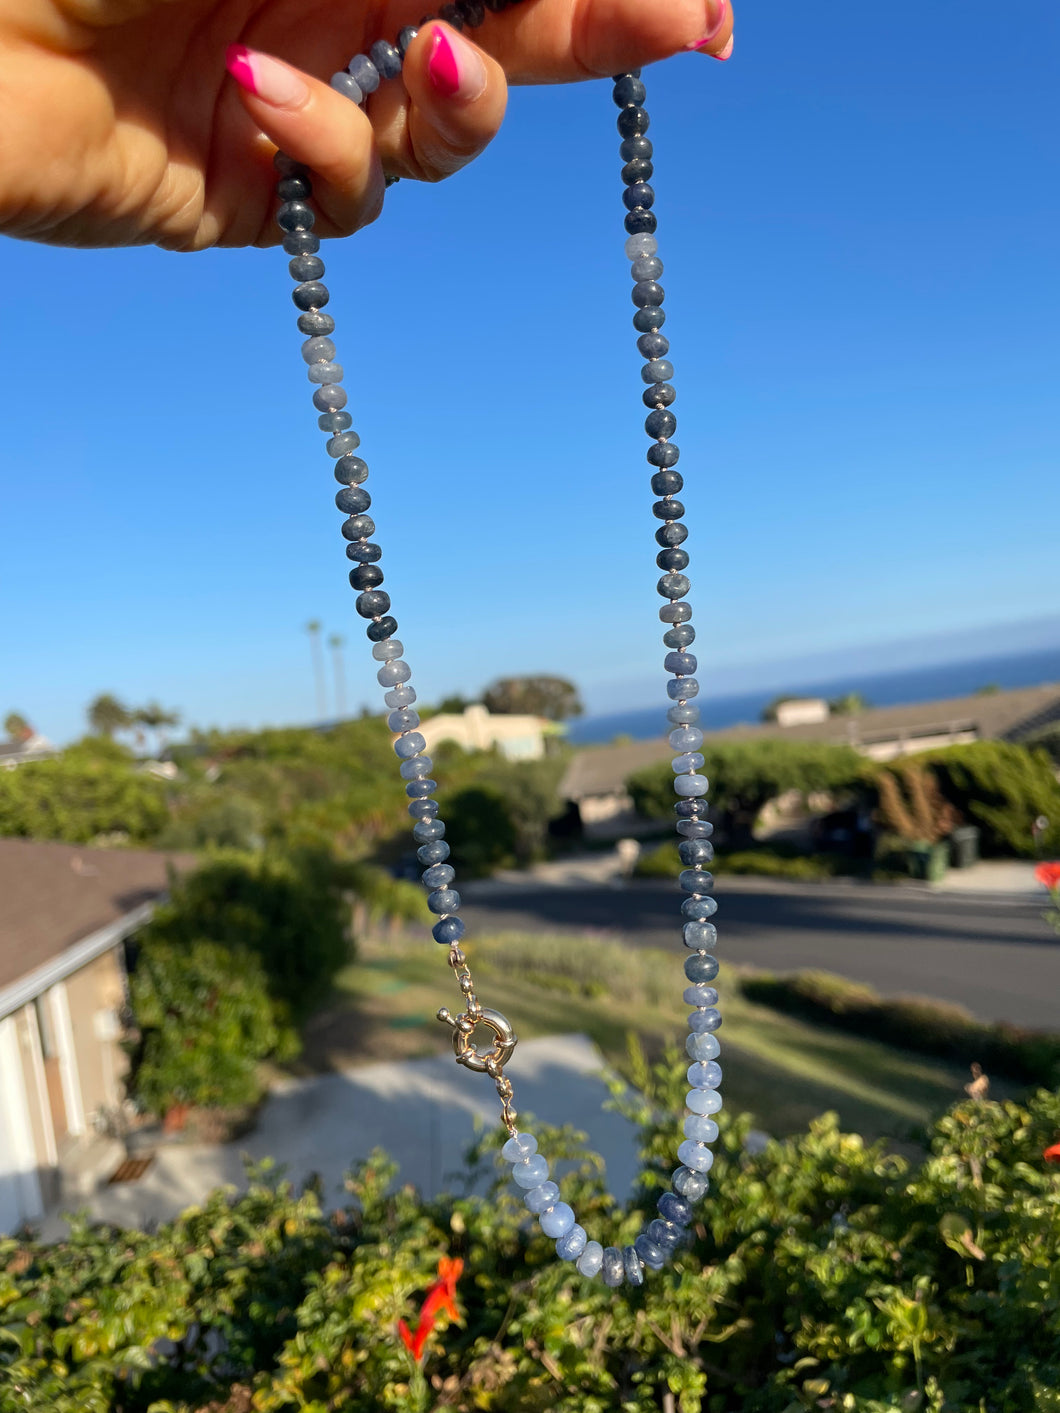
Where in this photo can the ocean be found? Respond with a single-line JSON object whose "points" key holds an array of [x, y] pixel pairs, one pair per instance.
{"points": [[918, 684]]}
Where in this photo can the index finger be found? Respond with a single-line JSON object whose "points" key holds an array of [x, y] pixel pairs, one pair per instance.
{"points": [[561, 41]]}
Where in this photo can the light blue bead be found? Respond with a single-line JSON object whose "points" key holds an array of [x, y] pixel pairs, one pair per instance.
{"points": [[541, 1198], [702, 1129], [403, 719], [347, 85], [691, 787], [318, 350], [700, 936], [688, 760], [706, 1018], [342, 444], [700, 994], [400, 696], [640, 244], [698, 1047], [387, 650], [707, 1043], [683, 712], [571, 1246], [692, 1186], [696, 1156], [325, 372], [686, 738], [703, 1101], [530, 1172], [416, 768], [409, 745], [697, 1074], [591, 1259], [558, 1221], [520, 1145], [427, 830], [391, 673]]}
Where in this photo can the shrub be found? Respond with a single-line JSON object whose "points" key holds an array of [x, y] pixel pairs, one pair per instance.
{"points": [[205, 1020], [79, 796], [914, 1023], [663, 862]]}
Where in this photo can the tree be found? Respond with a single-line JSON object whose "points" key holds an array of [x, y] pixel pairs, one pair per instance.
{"points": [[849, 704], [313, 629], [551, 697], [336, 642], [155, 718], [106, 714], [454, 704], [17, 727]]}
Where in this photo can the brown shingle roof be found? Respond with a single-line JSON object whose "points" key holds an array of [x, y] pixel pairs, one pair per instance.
{"points": [[53, 895]]}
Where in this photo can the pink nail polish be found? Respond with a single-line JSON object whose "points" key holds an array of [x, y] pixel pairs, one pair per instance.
{"points": [[265, 77], [721, 15], [724, 53], [454, 68]]}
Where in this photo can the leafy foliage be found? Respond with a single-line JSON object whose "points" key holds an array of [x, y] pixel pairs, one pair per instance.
{"points": [[912, 1023], [663, 862], [552, 697], [823, 1272], [503, 815], [80, 795]]}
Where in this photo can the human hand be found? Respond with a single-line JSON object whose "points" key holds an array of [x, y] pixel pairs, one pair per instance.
{"points": [[119, 124]]}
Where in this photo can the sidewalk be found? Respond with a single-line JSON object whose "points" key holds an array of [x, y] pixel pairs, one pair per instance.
{"points": [[994, 876], [423, 1112]]}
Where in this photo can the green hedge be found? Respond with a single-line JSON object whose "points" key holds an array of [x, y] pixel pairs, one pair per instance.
{"points": [[823, 1273], [913, 1023]]}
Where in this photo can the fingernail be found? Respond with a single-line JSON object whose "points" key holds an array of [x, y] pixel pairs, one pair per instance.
{"points": [[724, 53], [454, 68], [718, 14], [265, 77]]}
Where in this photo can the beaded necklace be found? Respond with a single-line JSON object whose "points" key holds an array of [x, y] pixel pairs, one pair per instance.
{"points": [[663, 1235]]}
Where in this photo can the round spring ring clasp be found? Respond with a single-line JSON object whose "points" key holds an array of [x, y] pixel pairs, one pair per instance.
{"points": [[491, 1061]]}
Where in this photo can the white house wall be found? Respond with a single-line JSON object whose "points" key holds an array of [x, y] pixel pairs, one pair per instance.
{"points": [[20, 1195]]}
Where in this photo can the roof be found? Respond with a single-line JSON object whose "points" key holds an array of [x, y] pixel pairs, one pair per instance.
{"points": [[54, 895], [1007, 716]]}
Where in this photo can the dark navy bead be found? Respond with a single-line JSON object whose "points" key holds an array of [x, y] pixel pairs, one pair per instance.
{"points": [[379, 632], [305, 267], [668, 509], [675, 534], [632, 122], [472, 12], [315, 324], [695, 851], [701, 966], [660, 424], [685, 663], [301, 243], [366, 576], [352, 500], [653, 345], [629, 92], [634, 1270], [287, 166], [666, 483], [329, 397], [658, 370], [351, 470], [689, 809], [673, 586], [294, 188], [433, 853], [675, 1209], [363, 72], [614, 1267], [450, 929], [452, 16], [372, 603], [650, 320], [650, 1252], [358, 527], [405, 38], [312, 295], [295, 216], [695, 828], [664, 1234], [638, 196], [334, 421], [386, 59], [638, 146], [418, 789], [365, 553], [681, 634], [639, 170], [647, 294], [659, 395], [640, 222], [671, 559], [663, 454]]}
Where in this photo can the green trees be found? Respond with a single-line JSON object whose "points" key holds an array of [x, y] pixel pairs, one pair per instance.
{"points": [[79, 796], [552, 697], [106, 714], [16, 727]]}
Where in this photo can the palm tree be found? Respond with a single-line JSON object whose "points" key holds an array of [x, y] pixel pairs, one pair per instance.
{"points": [[336, 642], [156, 718], [313, 629], [16, 727], [107, 715]]}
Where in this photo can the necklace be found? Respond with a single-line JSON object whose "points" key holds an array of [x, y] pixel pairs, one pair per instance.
{"points": [[665, 1233]]}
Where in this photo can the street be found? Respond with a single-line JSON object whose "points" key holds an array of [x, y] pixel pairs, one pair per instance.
{"points": [[990, 953]]}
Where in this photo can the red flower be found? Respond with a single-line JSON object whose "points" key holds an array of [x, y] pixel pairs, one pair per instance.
{"points": [[1049, 874], [1052, 1153], [440, 1296]]}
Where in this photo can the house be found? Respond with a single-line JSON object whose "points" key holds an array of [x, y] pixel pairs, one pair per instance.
{"points": [[65, 912], [595, 780], [33, 746], [477, 729]]}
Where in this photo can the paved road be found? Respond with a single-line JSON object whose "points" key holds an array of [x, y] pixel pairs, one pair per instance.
{"points": [[992, 954]]}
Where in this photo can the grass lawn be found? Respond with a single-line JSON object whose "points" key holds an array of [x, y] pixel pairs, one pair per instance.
{"points": [[781, 1070]]}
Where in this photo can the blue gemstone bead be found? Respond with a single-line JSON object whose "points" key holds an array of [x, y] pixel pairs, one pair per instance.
{"points": [[440, 876], [571, 1246], [450, 929], [699, 1073], [701, 966], [433, 853], [402, 695], [443, 900], [364, 553], [357, 527], [531, 1171], [686, 738], [520, 1145], [699, 909], [702, 1046], [430, 829], [306, 267], [364, 72], [665, 1234], [558, 1221], [703, 1101], [652, 1255], [659, 370], [677, 613], [628, 92], [391, 673], [409, 745], [666, 482], [351, 470], [675, 1209], [663, 454], [700, 995], [695, 851], [314, 323], [700, 936], [416, 766], [405, 38], [367, 576], [540, 1199], [330, 397], [386, 59], [324, 373], [691, 786], [311, 295], [591, 1259], [653, 346], [680, 662], [347, 85], [318, 349], [646, 294], [334, 421], [696, 1156], [634, 1270], [681, 713], [646, 267], [351, 500], [707, 1019], [305, 243], [640, 220], [659, 395], [415, 789], [695, 880], [650, 320], [691, 1185], [670, 586], [702, 1129], [660, 423], [295, 216], [423, 809], [614, 1267]]}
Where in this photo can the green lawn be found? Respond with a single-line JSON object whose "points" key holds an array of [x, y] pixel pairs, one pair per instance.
{"points": [[781, 1070]]}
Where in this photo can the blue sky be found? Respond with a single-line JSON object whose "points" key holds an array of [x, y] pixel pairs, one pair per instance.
{"points": [[859, 218]]}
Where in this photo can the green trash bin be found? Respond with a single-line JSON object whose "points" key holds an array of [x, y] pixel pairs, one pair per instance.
{"points": [[928, 861], [964, 846]]}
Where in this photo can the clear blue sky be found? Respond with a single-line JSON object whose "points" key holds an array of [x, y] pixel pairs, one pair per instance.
{"points": [[860, 221]]}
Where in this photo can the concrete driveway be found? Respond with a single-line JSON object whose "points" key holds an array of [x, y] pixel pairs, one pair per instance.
{"points": [[423, 1112]]}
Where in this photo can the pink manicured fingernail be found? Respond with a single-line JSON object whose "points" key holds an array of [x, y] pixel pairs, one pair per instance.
{"points": [[724, 53], [266, 78], [719, 13], [454, 68]]}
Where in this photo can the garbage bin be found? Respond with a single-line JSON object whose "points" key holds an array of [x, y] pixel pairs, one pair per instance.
{"points": [[964, 846], [928, 861]]}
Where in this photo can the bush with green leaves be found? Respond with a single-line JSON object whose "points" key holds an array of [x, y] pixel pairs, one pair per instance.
{"points": [[911, 1023], [823, 1272], [82, 794], [205, 1021], [663, 862]]}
